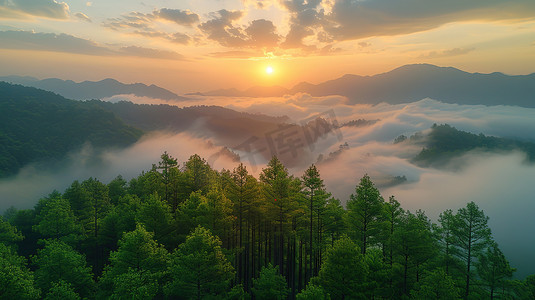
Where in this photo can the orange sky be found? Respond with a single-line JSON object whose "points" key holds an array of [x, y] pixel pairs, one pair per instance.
{"points": [[200, 45]]}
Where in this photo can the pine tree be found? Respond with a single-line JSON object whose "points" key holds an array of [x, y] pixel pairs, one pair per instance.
{"points": [[59, 261], [344, 272], [270, 285], [471, 236], [494, 270], [363, 213], [199, 268]]}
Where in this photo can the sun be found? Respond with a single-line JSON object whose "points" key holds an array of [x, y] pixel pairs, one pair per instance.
{"points": [[269, 70]]}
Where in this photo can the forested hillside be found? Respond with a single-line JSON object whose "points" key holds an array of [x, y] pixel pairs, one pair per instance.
{"points": [[445, 142], [186, 231], [39, 125]]}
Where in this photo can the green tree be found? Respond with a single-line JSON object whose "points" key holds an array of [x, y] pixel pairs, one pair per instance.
{"points": [[197, 174], [169, 175], [138, 255], [444, 235], [155, 215], [199, 268], [280, 192], [116, 189], [344, 272], [494, 270], [413, 247], [16, 280], [316, 195], [59, 261], [363, 213], [471, 236], [270, 285], [61, 290], [134, 285], [436, 285], [242, 190], [9, 234], [313, 292], [57, 220]]}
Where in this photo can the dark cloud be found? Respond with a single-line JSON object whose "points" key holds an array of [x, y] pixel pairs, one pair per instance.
{"points": [[39, 8], [305, 16], [28, 40], [221, 29], [447, 53], [181, 17], [350, 19]]}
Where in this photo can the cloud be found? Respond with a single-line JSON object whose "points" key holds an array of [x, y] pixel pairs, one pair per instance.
{"points": [[38, 8], [304, 17], [34, 182], [262, 33], [351, 19], [83, 17], [150, 53], [145, 24], [221, 29], [447, 53], [181, 17], [28, 40], [499, 183]]}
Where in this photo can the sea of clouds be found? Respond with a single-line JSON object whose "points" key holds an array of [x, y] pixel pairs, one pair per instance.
{"points": [[501, 184]]}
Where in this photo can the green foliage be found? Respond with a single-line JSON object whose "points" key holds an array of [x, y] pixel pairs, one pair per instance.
{"points": [[8, 233], [139, 258], [445, 142], [363, 213], [472, 236], [59, 261], [57, 220], [270, 284], [135, 285], [199, 268], [155, 215], [313, 292], [61, 290], [343, 272], [16, 280], [268, 238], [436, 285], [39, 125], [494, 271]]}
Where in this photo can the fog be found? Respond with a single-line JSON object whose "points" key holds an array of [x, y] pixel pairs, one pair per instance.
{"points": [[501, 184]]}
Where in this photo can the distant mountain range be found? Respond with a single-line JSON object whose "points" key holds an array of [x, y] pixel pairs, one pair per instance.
{"points": [[412, 83], [37, 125], [93, 89]]}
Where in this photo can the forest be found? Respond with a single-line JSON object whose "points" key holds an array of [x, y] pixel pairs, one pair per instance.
{"points": [[183, 230], [37, 125]]}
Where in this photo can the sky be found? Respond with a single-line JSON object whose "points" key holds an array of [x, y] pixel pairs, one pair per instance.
{"points": [[200, 45]]}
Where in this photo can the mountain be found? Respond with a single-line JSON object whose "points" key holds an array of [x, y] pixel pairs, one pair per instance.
{"points": [[226, 126], [93, 89], [444, 143], [37, 125], [411, 83]]}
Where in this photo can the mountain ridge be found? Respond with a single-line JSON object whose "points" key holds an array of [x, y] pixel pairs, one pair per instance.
{"points": [[414, 82], [86, 90]]}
